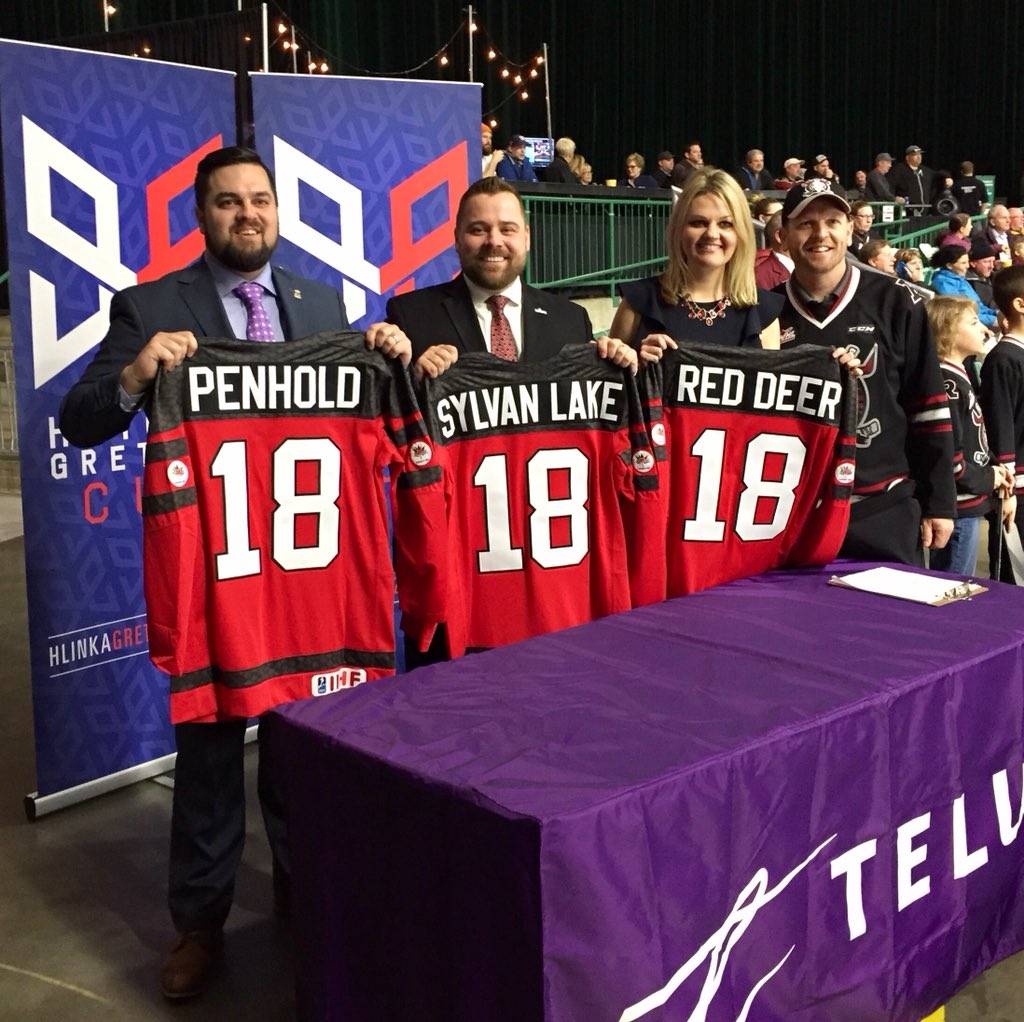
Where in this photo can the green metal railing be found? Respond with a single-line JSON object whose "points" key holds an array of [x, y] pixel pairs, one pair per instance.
{"points": [[579, 241]]}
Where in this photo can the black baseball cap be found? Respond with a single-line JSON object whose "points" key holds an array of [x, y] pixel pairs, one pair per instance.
{"points": [[800, 196]]}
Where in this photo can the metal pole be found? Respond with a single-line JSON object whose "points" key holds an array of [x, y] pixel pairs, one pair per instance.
{"points": [[266, 40], [547, 91], [469, 30], [106, 17], [295, 53]]}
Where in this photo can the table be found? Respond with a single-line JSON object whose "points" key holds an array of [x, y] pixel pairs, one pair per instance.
{"points": [[776, 793]]}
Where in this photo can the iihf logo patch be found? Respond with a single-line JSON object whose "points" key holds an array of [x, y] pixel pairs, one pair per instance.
{"points": [[420, 452], [788, 336], [643, 461], [658, 434], [177, 474], [844, 473]]}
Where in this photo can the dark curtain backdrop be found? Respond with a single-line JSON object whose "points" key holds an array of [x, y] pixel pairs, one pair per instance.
{"points": [[793, 78]]}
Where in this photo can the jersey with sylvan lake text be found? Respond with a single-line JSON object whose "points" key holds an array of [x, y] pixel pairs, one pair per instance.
{"points": [[904, 430], [268, 570], [553, 492], [759, 459]]}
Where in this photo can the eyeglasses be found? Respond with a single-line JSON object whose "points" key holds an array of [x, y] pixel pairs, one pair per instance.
{"points": [[863, 216]]}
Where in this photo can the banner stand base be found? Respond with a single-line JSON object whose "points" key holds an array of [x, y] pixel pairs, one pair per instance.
{"points": [[37, 805]]}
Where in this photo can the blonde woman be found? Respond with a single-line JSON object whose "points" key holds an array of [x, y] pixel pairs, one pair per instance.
{"points": [[707, 294]]}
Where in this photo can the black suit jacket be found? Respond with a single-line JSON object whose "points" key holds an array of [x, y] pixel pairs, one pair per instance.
{"points": [[184, 300], [444, 314]]}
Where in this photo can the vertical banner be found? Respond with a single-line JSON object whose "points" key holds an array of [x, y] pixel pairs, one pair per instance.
{"points": [[369, 175], [99, 154]]}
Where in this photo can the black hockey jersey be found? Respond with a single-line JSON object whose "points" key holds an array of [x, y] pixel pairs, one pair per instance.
{"points": [[972, 463], [1002, 400], [904, 429]]}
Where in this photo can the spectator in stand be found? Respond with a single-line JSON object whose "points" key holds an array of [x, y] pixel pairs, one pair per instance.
{"points": [[491, 156], [997, 232], [1016, 222], [878, 187], [792, 174], [958, 232], [772, 265], [863, 216], [860, 187], [982, 265], [970, 191], [910, 265], [663, 173], [586, 174], [516, 166], [822, 168], [1017, 250], [959, 336], [576, 165], [950, 278], [558, 171], [693, 159], [879, 254], [763, 211], [707, 294], [752, 176], [912, 182], [635, 176]]}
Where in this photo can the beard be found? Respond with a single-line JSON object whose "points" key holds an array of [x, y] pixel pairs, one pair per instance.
{"points": [[477, 272], [241, 260]]}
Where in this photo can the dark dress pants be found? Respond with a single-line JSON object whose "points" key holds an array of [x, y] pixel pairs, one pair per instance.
{"points": [[208, 822]]}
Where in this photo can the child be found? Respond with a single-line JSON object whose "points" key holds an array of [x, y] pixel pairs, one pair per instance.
{"points": [[1002, 397], [1017, 249], [958, 335]]}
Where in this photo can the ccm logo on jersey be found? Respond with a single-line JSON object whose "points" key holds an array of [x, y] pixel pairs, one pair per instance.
{"points": [[335, 681], [420, 452]]}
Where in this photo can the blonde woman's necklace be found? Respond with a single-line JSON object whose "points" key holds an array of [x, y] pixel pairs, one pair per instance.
{"points": [[705, 315]]}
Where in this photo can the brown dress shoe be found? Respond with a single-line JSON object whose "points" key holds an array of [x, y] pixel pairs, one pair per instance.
{"points": [[189, 964]]}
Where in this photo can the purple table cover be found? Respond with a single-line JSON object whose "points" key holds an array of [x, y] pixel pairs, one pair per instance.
{"points": [[774, 800]]}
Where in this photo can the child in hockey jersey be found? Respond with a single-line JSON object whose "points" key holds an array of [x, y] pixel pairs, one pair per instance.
{"points": [[959, 334], [1002, 397]]}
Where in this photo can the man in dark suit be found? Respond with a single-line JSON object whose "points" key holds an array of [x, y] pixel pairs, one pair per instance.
{"points": [[488, 307], [912, 182], [231, 292]]}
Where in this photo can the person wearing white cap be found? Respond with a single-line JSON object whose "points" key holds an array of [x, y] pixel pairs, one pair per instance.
{"points": [[910, 180], [792, 173]]}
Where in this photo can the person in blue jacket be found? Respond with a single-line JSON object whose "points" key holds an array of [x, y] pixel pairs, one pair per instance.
{"points": [[951, 263], [516, 166]]}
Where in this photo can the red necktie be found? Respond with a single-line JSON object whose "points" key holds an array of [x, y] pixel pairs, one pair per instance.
{"points": [[503, 344]]}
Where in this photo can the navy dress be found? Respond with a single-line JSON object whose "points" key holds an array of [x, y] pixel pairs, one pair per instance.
{"points": [[737, 328]]}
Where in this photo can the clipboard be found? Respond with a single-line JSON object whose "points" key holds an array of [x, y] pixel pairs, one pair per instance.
{"points": [[930, 590]]}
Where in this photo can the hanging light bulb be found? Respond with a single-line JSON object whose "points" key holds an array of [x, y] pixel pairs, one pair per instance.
{"points": [[247, 38], [323, 67], [444, 60], [524, 94], [281, 28], [111, 9], [533, 72], [472, 26], [504, 72], [517, 80], [146, 50], [312, 67], [494, 122], [540, 60], [491, 54], [286, 45]]}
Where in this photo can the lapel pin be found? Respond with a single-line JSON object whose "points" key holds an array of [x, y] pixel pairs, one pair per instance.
{"points": [[540, 311], [296, 293]]}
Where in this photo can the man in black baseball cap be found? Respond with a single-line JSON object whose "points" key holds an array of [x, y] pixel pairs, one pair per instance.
{"points": [[903, 488], [516, 166], [663, 172], [911, 181]]}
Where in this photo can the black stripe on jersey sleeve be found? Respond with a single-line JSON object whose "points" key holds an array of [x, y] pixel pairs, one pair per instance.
{"points": [[646, 482], [419, 477], [163, 503], [164, 450], [332, 660]]}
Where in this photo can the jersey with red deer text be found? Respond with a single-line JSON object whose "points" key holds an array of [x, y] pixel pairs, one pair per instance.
{"points": [[268, 571], [972, 463], [904, 431], [759, 455], [1002, 400], [553, 495]]}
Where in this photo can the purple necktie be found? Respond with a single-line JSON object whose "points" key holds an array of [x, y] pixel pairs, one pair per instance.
{"points": [[257, 323]]}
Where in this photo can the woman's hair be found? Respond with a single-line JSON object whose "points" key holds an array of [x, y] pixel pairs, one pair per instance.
{"points": [[637, 159], [576, 164], [958, 221], [904, 255], [947, 254], [944, 315], [740, 288]]}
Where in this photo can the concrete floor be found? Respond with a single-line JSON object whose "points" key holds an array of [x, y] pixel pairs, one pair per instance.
{"points": [[83, 927]]}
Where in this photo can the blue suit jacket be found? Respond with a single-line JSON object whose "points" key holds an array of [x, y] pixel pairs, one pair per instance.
{"points": [[184, 300]]}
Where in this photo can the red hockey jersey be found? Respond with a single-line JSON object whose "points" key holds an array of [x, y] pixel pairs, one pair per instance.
{"points": [[268, 573], [759, 449], [553, 495]]}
